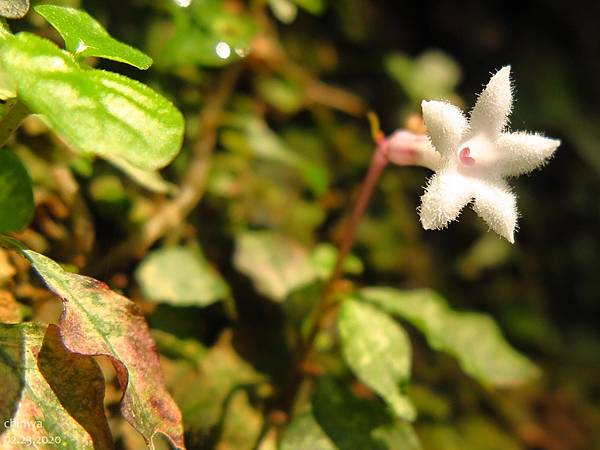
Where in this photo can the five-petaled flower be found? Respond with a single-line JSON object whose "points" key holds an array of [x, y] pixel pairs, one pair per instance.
{"points": [[475, 158]]}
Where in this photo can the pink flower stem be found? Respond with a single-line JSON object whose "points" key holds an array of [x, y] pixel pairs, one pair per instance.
{"points": [[379, 161]]}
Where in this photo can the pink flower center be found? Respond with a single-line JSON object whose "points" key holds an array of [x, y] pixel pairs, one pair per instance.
{"points": [[465, 157]]}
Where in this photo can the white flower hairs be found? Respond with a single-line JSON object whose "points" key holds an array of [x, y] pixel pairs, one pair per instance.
{"points": [[472, 158]]}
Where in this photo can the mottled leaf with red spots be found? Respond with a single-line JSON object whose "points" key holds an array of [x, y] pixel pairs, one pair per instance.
{"points": [[49, 398], [98, 321]]}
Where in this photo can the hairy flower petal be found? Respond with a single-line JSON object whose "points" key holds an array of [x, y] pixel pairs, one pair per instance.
{"points": [[446, 125], [446, 194], [490, 114], [475, 163], [497, 205], [520, 153]]}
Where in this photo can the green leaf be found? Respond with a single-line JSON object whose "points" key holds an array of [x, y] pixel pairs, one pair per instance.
{"points": [[220, 373], [275, 263], [180, 276], [14, 9], [176, 348], [470, 432], [208, 33], [267, 145], [281, 93], [49, 396], [93, 110], [472, 338], [488, 251], [242, 422], [98, 321], [16, 193], [149, 179], [7, 89], [284, 10], [357, 424], [378, 351], [312, 6], [189, 45], [305, 432], [86, 37], [433, 74], [324, 256]]}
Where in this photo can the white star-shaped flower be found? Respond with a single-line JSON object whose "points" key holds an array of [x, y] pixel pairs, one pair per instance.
{"points": [[475, 158]]}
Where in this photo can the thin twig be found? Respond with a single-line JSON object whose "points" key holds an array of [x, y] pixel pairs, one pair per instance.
{"points": [[269, 51], [334, 97]]}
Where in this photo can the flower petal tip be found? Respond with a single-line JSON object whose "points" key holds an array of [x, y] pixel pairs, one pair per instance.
{"points": [[494, 104], [502, 78], [505, 70], [509, 236], [429, 223]]}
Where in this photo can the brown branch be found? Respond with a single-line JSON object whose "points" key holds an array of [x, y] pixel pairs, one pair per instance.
{"points": [[320, 93], [173, 213]]}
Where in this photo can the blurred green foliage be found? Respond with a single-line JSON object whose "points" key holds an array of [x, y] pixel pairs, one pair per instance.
{"points": [[291, 145]]}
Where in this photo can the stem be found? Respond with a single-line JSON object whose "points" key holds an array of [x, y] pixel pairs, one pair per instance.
{"points": [[11, 120], [378, 163]]}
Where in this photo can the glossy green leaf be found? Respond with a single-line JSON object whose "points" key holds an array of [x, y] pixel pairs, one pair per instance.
{"points": [[85, 37], [7, 88], [93, 110], [180, 276], [98, 321], [207, 33], [275, 263], [378, 351], [189, 45], [357, 424], [16, 193], [234, 27], [50, 398], [14, 9], [472, 338]]}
